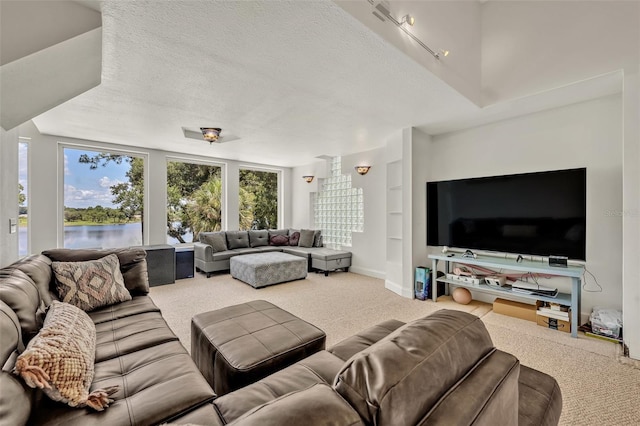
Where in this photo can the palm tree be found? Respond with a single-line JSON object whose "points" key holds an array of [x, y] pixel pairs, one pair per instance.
{"points": [[205, 208]]}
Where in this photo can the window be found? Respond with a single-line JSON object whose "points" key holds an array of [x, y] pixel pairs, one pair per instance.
{"points": [[23, 199], [194, 200], [258, 202], [103, 199]]}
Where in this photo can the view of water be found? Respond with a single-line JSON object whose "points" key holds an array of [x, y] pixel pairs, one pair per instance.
{"points": [[105, 236], [100, 236]]}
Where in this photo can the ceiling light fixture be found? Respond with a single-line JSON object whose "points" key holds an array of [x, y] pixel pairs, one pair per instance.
{"points": [[308, 179], [362, 170], [408, 19], [382, 12], [210, 134]]}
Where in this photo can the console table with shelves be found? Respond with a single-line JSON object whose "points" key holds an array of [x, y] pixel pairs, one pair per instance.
{"points": [[567, 299]]}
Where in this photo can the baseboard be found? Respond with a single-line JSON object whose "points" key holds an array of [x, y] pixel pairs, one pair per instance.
{"points": [[398, 289], [368, 272]]}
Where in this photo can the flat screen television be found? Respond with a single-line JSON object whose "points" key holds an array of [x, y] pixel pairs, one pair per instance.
{"points": [[540, 213]]}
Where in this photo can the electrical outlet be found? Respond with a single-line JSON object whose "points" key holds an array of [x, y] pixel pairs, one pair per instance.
{"points": [[13, 225]]}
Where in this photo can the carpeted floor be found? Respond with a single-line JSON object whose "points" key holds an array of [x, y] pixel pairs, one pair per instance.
{"points": [[598, 386]]}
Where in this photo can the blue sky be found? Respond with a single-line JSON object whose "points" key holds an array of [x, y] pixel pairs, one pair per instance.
{"points": [[84, 187]]}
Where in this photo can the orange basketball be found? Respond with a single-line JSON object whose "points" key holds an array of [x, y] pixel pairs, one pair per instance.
{"points": [[462, 296]]}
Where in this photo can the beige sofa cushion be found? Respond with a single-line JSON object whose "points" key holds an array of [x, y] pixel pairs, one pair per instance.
{"points": [[398, 379]]}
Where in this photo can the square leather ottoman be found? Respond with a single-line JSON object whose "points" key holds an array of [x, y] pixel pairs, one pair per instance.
{"points": [[241, 344]]}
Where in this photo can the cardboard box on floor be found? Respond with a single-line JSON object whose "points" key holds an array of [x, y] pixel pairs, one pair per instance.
{"points": [[553, 323], [523, 311]]}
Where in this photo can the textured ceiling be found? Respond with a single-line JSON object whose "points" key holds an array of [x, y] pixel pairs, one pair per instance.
{"points": [[293, 80]]}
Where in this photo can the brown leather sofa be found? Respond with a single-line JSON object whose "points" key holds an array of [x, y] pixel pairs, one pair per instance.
{"points": [[441, 369], [135, 349]]}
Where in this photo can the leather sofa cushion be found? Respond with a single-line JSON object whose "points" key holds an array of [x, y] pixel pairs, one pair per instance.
{"points": [[259, 238], [133, 264], [21, 294], [358, 342], [137, 305], [203, 415], [16, 399], [540, 399], [425, 357], [487, 393], [310, 407], [320, 367], [156, 384], [237, 239], [130, 334], [38, 268]]}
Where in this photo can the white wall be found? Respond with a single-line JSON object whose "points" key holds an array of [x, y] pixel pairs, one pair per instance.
{"points": [[46, 183], [531, 46], [631, 215], [452, 25], [421, 171], [368, 247], [8, 195], [587, 134]]}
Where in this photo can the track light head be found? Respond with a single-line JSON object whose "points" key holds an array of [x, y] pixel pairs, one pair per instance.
{"points": [[408, 19]]}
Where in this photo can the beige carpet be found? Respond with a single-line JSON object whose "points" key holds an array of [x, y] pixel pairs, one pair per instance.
{"points": [[597, 388]]}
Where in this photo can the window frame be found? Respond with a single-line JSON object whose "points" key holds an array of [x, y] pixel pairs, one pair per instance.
{"points": [[27, 141], [99, 148], [280, 191], [204, 162]]}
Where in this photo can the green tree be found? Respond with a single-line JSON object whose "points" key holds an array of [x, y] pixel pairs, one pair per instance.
{"points": [[183, 179], [205, 208], [264, 187], [21, 196]]}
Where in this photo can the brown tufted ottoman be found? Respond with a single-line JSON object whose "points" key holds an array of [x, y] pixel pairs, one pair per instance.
{"points": [[239, 345]]}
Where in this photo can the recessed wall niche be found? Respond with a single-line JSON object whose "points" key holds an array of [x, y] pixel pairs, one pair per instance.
{"points": [[338, 207]]}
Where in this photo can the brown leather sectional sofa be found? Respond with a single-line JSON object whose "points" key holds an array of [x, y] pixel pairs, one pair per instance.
{"points": [[441, 369], [135, 349]]}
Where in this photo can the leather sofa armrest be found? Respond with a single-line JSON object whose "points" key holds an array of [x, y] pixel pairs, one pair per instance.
{"points": [[203, 251]]}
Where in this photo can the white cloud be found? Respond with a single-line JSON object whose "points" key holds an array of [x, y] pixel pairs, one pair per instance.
{"points": [[75, 197], [106, 182]]}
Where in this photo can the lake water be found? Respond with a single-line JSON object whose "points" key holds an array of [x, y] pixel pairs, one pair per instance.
{"points": [[99, 236]]}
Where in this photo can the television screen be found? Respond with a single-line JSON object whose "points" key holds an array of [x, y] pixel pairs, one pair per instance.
{"points": [[533, 213]]}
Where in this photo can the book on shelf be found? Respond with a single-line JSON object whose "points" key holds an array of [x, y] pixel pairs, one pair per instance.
{"points": [[563, 316]]}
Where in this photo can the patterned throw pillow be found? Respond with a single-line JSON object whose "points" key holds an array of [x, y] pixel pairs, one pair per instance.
{"points": [[92, 284], [294, 238], [279, 240], [59, 359]]}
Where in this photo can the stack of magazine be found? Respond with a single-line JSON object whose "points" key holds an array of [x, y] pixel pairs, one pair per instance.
{"points": [[533, 289]]}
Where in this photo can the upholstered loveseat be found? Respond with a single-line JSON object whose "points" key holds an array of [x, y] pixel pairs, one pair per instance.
{"points": [[135, 349], [215, 249]]}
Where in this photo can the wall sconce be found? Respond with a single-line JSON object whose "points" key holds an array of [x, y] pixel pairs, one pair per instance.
{"points": [[362, 170], [308, 179]]}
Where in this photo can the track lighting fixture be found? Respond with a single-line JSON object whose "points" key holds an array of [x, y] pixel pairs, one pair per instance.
{"points": [[382, 12], [408, 19]]}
